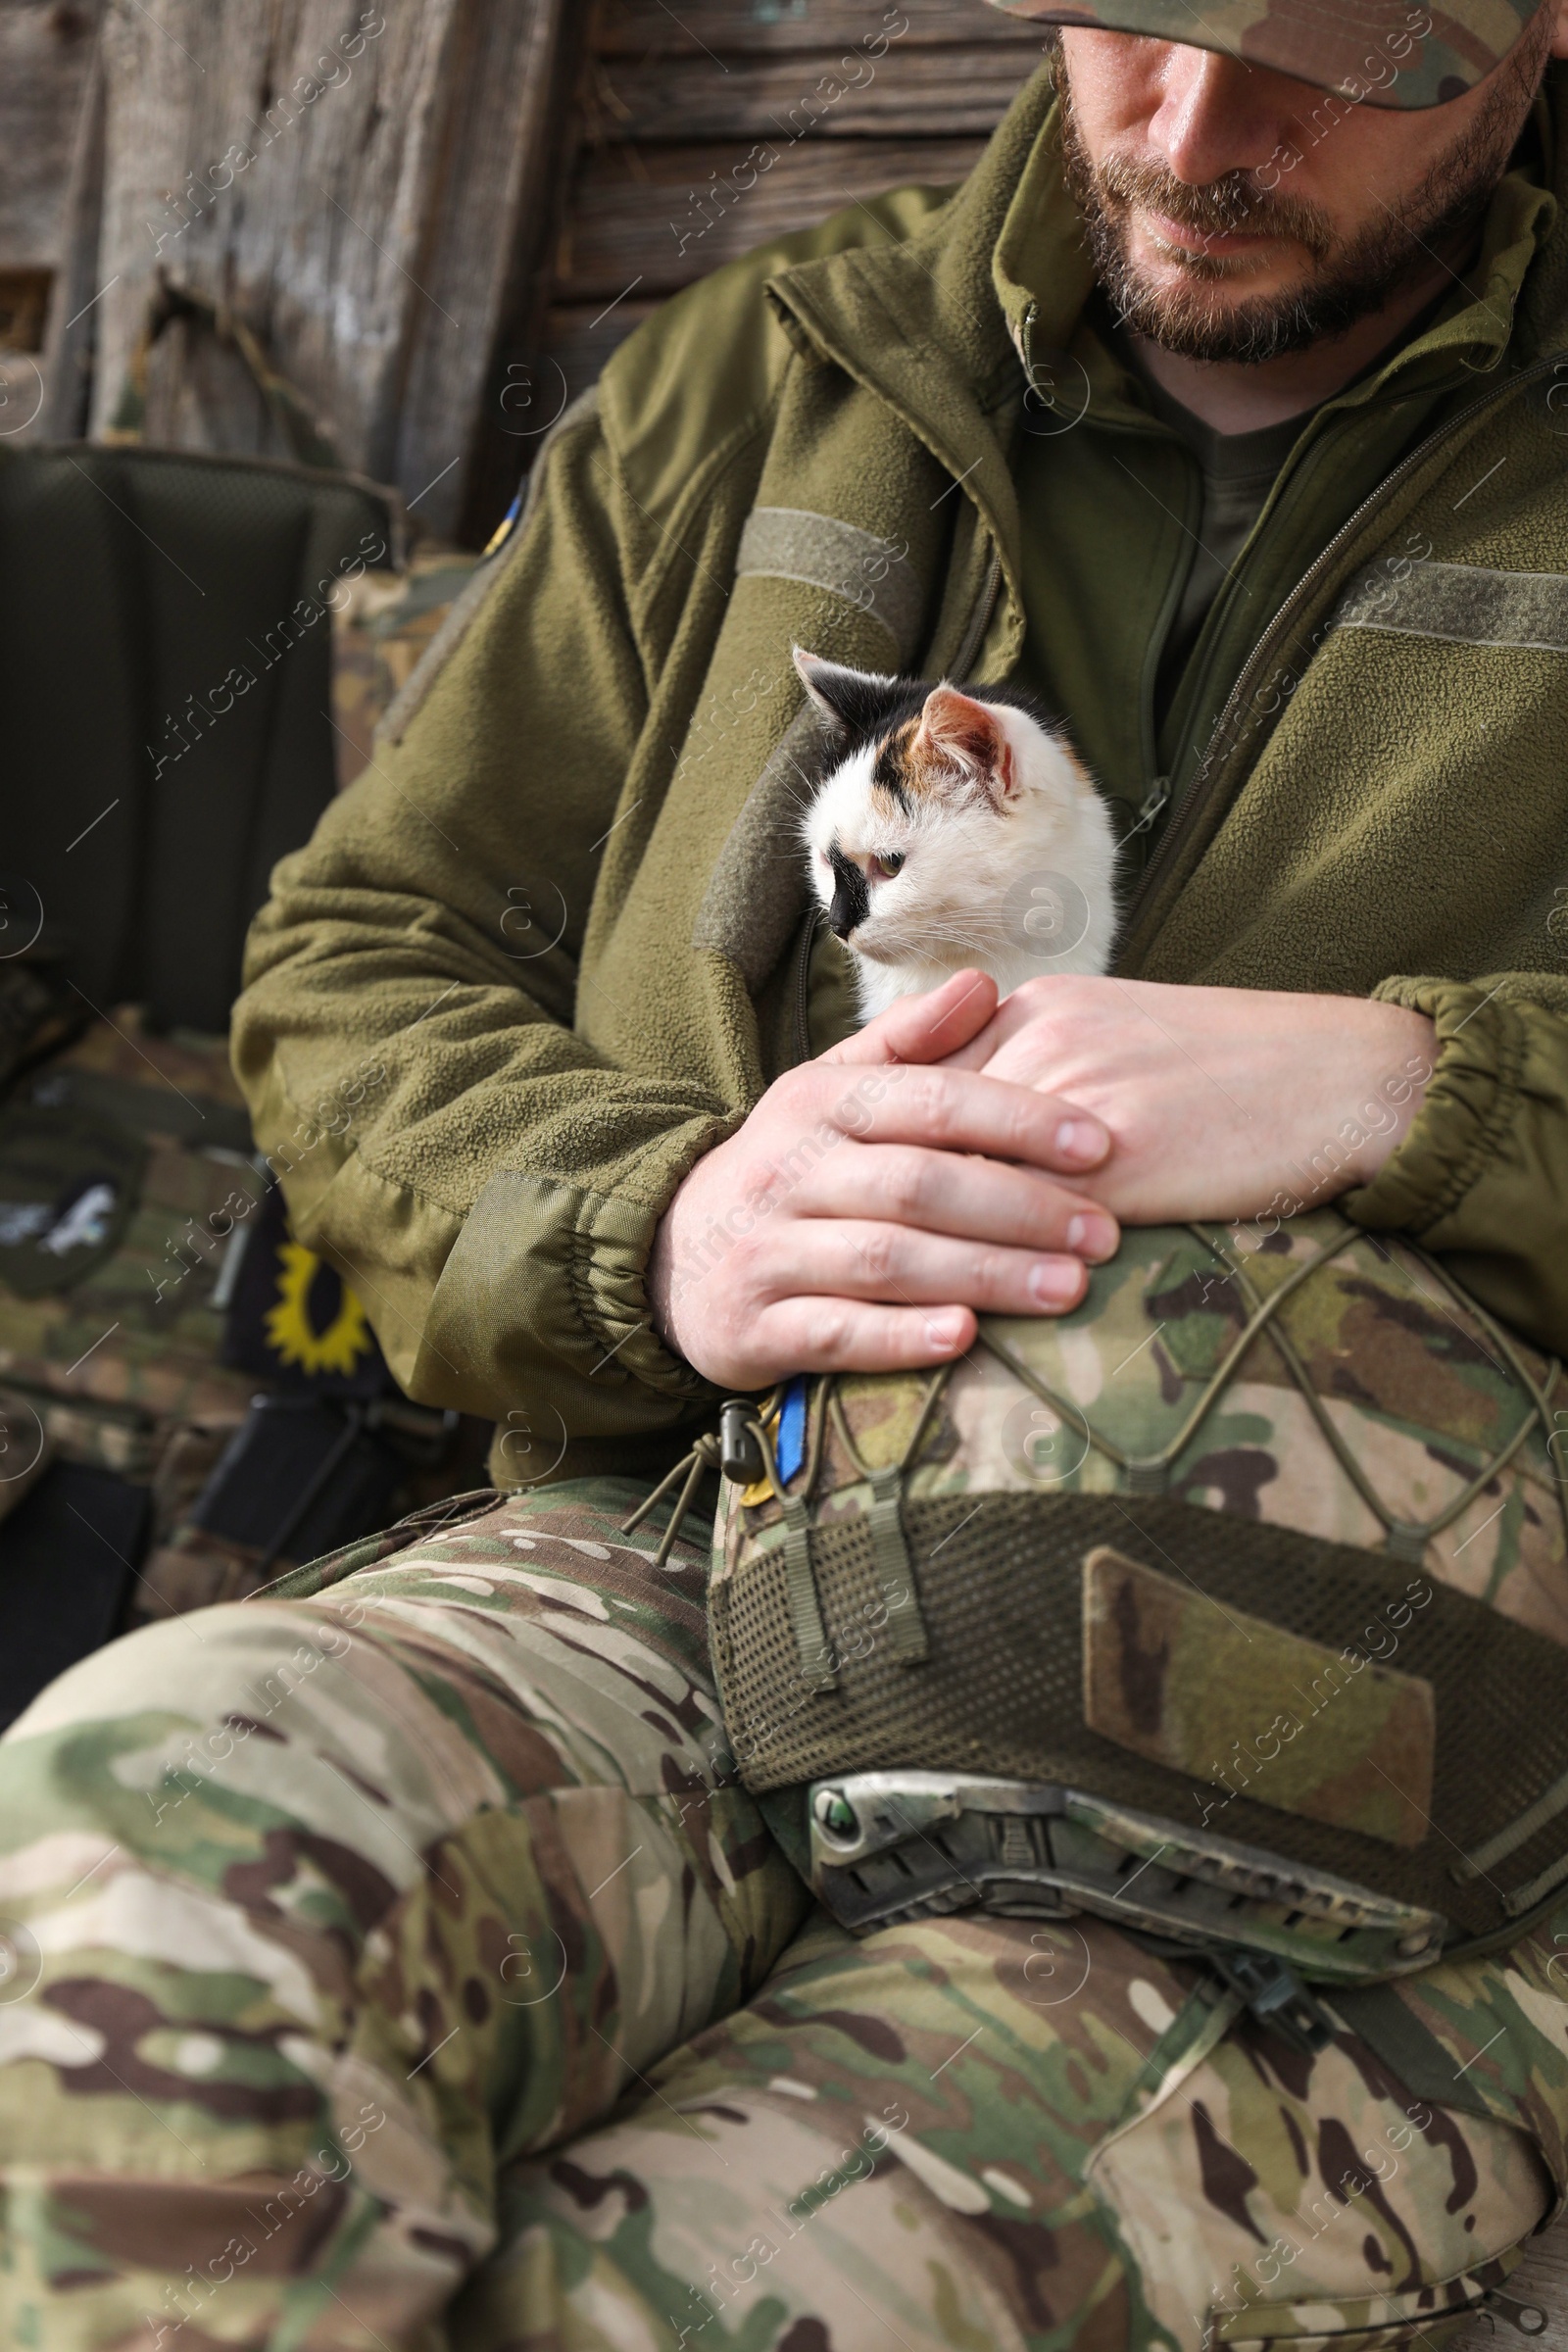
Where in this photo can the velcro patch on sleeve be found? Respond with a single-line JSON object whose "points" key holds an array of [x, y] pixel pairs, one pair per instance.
{"points": [[1468, 603], [1232, 1699], [788, 543]]}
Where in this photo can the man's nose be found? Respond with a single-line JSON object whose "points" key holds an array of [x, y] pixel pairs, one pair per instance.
{"points": [[1217, 115]]}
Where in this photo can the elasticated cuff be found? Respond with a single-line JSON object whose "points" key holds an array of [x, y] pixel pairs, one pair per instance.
{"points": [[542, 1305], [1470, 1105]]}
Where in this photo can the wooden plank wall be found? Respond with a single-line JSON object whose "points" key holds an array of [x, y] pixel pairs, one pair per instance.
{"points": [[709, 129], [425, 208], [395, 174], [46, 52]]}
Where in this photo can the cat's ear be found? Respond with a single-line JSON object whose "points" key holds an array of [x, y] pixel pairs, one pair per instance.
{"points": [[850, 699], [958, 732]]}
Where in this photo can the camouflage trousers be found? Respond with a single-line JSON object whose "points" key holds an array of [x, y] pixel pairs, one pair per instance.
{"points": [[401, 1965]]}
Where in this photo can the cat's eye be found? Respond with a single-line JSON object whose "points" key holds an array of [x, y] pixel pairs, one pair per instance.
{"points": [[888, 864]]}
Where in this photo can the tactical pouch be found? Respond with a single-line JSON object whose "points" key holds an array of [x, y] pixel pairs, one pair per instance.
{"points": [[217, 1387], [1246, 1580]]}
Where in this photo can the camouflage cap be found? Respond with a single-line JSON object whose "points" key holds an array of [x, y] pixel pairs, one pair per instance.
{"points": [[1390, 53]]}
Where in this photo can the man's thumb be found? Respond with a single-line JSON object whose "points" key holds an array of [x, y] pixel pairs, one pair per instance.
{"points": [[924, 1028]]}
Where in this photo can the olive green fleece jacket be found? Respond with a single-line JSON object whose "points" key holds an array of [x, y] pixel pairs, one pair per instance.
{"points": [[555, 943]]}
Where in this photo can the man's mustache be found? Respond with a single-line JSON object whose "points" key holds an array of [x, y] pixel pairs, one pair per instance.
{"points": [[1230, 206]]}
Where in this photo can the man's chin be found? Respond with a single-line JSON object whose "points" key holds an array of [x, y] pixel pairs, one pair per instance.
{"points": [[1236, 317]]}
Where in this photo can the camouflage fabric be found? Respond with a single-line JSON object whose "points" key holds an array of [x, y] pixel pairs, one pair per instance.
{"points": [[119, 1365], [978, 2136], [336, 1903], [395, 1961], [119, 1369], [1419, 1391], [1387, 52], [1268, 1537], [113, 1363], [383, 626]]}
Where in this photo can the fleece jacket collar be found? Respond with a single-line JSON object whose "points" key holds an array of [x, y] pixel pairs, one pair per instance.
{"points": [[948, 326]]}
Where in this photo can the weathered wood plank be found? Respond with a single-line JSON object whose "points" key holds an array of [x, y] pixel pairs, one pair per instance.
{"points": [[619, 240], [907, 93], [355, 194], [742, 27], [72, 334], [678, 100], [46, 53], [238, 170], [547, 138], [666, 216], [487, 236], [579, 338]]}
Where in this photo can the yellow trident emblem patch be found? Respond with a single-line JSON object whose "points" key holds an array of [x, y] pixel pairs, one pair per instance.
{"points": [[293, 1332]]}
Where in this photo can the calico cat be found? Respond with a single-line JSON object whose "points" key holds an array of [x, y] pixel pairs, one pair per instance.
{"points": [[953, 828]]}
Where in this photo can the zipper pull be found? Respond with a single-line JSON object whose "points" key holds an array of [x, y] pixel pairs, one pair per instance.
{"points": [[1526, 2317], [1153, 801], [1023, 343]]}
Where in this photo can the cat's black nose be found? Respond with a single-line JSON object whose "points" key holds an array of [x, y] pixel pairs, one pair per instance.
{"points": [[852, 898]]}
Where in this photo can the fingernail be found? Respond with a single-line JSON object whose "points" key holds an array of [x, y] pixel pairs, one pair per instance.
{"points": [[1094, 1238], [1056, 1281], [1083, 1140], [945, 1332]]}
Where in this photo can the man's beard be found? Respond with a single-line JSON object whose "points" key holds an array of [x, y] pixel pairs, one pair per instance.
{"points": [[1347, 279]]}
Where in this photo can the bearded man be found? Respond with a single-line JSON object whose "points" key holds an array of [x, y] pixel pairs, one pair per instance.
{"points": [[1222, 407]]}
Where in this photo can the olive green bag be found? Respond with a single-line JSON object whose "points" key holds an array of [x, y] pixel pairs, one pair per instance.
{"points": [[1231, 1606]]}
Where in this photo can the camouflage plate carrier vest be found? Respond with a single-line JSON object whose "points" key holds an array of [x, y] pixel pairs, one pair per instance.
{"points": [[1233, 1606]]}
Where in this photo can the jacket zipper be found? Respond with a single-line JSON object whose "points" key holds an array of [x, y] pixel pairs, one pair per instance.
{"points": [[981, 620], [1158, 792], [1200, 791], [803, 983], [991, 586]]}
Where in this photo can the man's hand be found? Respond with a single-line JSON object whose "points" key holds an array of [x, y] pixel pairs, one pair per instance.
{"points": [[872, 1201], [1221, 1101]]}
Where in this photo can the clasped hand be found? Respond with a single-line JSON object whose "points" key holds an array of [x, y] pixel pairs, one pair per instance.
{"points": [[958, 1154]]}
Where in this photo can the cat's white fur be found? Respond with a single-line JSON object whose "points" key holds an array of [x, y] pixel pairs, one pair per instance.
{"points": [[1004, 858]]}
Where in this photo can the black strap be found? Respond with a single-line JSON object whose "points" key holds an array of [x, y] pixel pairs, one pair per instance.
{"points": [[1388, 2026]]}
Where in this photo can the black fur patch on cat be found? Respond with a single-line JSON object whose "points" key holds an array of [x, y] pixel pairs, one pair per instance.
{"points": [[865, 708], [852, 898], [875, 711]]}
